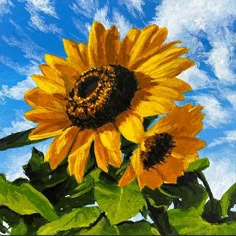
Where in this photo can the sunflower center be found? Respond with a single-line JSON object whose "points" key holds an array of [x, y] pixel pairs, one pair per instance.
{"points": [[157, 148], [99, 95]]}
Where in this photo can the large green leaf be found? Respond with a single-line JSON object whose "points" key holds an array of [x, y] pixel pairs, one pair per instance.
{"points": [[25, 200], [137, 228], [189, 191], [78, 218], [199, 165], [119, 204], [228, 200], [103, 227], [189, 222], [18, 139]]}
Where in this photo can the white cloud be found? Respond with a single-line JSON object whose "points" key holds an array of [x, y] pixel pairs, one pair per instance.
{"points": [[84, 7], [219, 59], [17, 125], [45, 6], [133, 6], [216, 114], [195, 20], [196, 78], [5, 6], [17, 91], [221, 175], [231, 97], [35, 9], [229, 138], [28, 47]]}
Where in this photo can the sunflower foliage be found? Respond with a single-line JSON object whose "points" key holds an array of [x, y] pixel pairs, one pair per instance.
{"points": [[124, 159], [51, 202]]}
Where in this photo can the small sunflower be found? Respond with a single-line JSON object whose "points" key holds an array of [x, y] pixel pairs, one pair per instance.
{"points": [[166, 149], [103, 89]]}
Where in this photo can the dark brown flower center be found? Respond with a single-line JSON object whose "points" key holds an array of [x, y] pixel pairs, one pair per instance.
{"points": [[157, 148], [99, 95]]}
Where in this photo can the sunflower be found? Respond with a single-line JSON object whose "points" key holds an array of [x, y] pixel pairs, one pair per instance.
{"points": [[166, 149], [103, 89]]}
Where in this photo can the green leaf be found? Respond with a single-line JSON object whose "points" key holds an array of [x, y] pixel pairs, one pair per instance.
{"points": [[189, 222], [25, 200], [198, 165], [19, 229], [228, 200], [189, 191], [102, 227], [16, 140], [78, 218], [119, 204], [137, 228]]}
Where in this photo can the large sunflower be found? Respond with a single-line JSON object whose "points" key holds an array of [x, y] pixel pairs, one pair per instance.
{"points": [[166, 149], [103, 89]]}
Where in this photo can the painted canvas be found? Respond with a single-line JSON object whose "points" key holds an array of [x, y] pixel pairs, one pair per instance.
{"points": [[117, 117]]}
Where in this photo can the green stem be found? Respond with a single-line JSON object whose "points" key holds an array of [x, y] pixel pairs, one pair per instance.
{"points": [[160, 219], [202, 177]]}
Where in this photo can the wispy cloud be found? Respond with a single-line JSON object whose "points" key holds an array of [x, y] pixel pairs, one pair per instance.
{"points": [[17, 91], [17, 125], [5, 6], [28, 47], [231, 97], [229, 138], [193, 20], [134, 6], [216, 113], [84, 7], [38, 7], [196, 77], [219, 59]]}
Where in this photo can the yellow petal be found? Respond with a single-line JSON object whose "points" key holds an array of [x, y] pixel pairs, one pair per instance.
{"points": [[136, 162], [78, 158], [126, 46], [161, 59], [100, 151], [109, 136], [60, 147], [150, 178], [74, 55], [170, 69], [142, 42], [83, 138], [127, 177], [154, 47], [177, 84], [38, 98], [48, 85], [68, 74], [188, 121], [96, 50], [51, 60], [49, 129], [170, 169], [164, 92], [42, 114], [130, 125], [187, 145], [84, 53], [153, 106], [115, 158], [112, 45]]}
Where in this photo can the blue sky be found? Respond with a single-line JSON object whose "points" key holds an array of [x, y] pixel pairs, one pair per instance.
{"points": [[31, 28]]}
